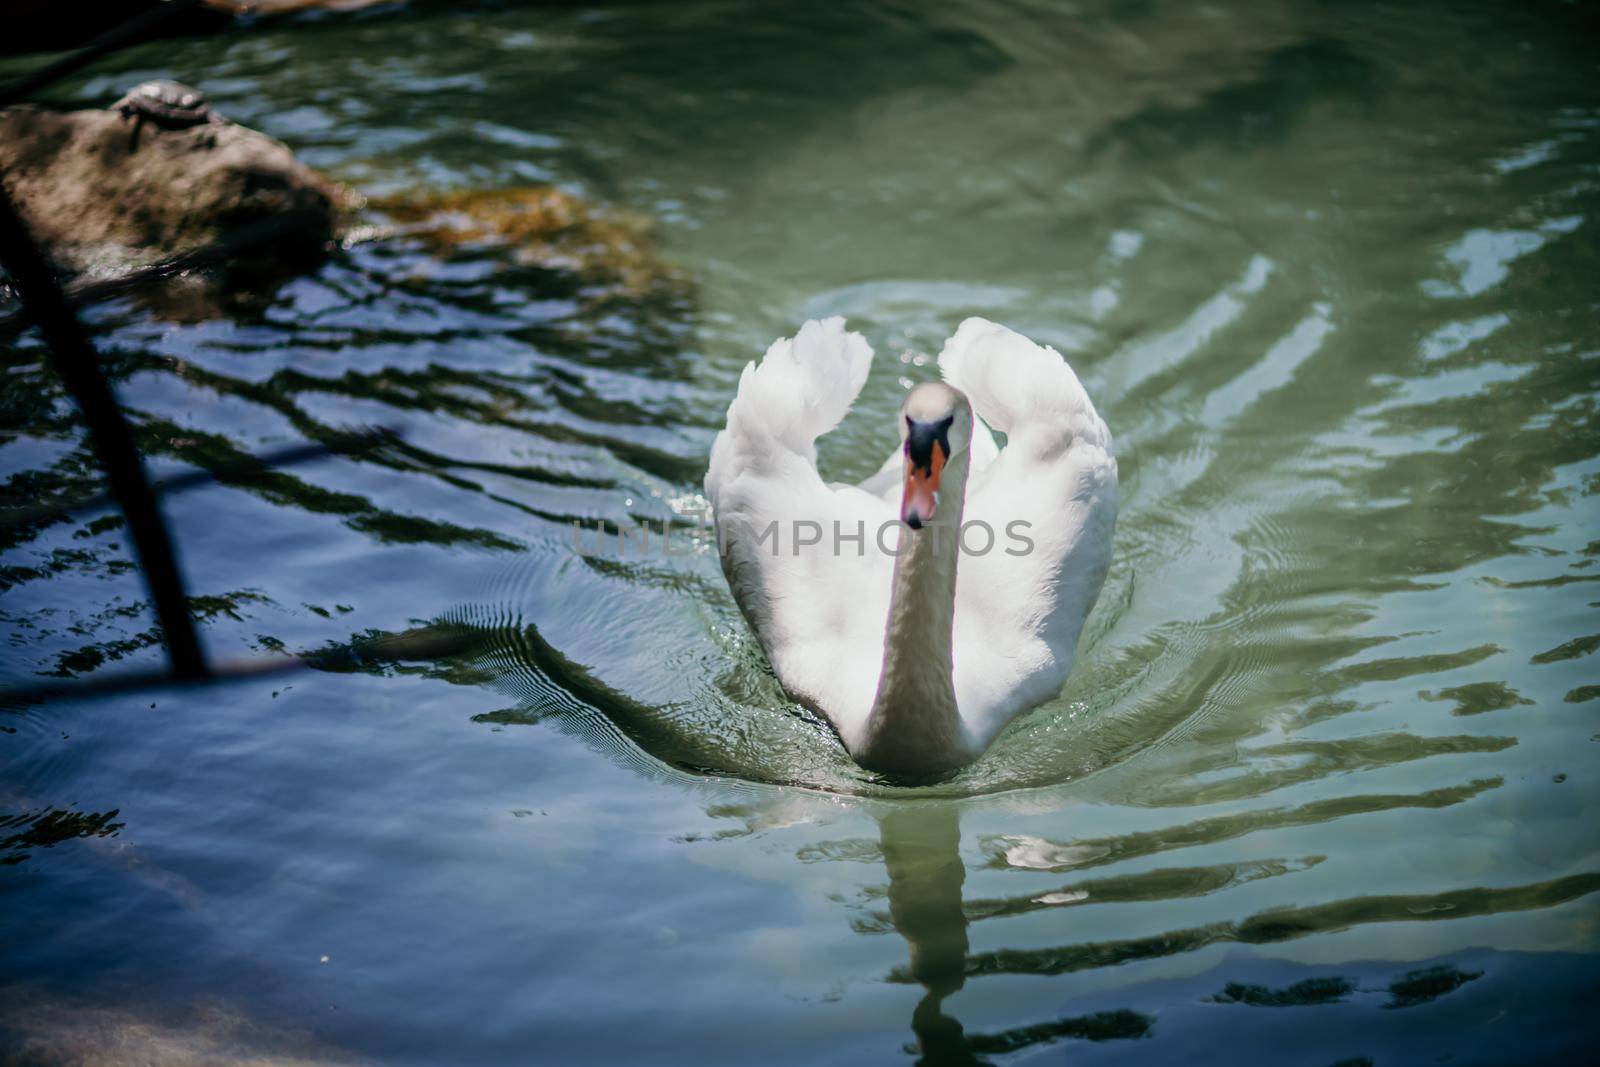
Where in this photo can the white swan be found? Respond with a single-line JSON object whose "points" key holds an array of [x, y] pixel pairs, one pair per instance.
{"points": [[918, 646]]}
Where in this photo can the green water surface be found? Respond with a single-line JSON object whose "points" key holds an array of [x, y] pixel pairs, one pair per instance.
{"points": [[1320, 789]]}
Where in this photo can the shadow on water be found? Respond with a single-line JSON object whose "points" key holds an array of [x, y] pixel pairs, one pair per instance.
{"points": [[1252, 111]]}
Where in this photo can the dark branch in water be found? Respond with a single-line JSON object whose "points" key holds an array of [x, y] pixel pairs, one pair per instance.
{"points": [[152, 678], [78, 365]]}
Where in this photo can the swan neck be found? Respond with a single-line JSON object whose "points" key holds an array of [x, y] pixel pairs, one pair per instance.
{"points": [[914, 727]]}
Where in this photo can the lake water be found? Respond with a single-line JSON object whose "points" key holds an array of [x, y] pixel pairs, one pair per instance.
{"points": [[1320, 789]]}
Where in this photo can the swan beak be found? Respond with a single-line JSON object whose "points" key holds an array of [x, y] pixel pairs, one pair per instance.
{"points": [[922, 486]]}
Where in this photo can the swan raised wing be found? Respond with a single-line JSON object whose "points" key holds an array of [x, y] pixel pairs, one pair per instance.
{"points": [[817, 609], [1050, 500]]}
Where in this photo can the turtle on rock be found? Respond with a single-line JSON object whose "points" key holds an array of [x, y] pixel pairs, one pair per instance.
{"points": [[168, 104]]}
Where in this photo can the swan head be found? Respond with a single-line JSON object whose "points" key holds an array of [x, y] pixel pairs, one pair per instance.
{"points": [[935, 425]]}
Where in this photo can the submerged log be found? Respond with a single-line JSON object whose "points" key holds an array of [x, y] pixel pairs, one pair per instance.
{"points": [[609, 251]]}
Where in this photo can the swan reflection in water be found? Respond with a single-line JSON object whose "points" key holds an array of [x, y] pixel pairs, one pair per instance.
{"points": [[921, 848], [922, 854]]}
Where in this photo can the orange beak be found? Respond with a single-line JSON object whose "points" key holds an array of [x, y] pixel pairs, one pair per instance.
{"points": [[922, 489]]}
